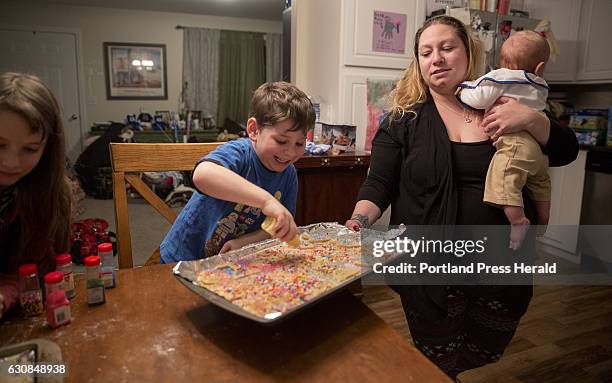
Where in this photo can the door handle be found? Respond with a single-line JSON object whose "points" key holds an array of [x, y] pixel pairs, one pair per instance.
{"points": [[73, 117]]}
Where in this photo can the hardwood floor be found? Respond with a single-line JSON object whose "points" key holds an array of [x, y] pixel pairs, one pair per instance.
{"points": [[565, 336]]}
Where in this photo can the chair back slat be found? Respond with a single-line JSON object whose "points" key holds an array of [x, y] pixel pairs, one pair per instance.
{"points": [[158, 157]]}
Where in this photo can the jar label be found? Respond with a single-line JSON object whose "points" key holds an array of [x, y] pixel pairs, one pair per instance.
{"points": [[108, 279], [68, 284], [95, 295], [62, 315]]}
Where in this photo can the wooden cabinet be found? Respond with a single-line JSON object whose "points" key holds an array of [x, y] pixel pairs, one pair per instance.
{"points": [[328, 186]]}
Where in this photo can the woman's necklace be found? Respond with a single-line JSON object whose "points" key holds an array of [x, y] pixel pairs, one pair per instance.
{"points": [[466, 113]]}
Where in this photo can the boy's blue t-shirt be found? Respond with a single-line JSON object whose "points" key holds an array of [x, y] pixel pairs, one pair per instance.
{"points": [[206, 223]]}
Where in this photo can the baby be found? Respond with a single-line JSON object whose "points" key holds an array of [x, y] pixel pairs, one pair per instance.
{"points": [[519, 160]]}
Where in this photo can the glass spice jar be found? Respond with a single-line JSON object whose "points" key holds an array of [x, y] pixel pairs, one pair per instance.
{"points": [[30, 294], [63, 264], [53, 282], [95, 285], [58, 309]]}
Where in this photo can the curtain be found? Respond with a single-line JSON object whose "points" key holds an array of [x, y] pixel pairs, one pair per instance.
{"points": [[274, 57], [201, 69], [241, 71]]}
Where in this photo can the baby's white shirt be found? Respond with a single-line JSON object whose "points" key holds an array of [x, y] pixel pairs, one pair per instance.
{"points": [[525, 87]]}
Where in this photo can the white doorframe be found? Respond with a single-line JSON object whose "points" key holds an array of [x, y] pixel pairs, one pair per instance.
{"points": [[79, 64]]}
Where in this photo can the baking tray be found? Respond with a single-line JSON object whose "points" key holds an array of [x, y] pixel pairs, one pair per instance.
{"points": [[185, 271], [28, 353]]}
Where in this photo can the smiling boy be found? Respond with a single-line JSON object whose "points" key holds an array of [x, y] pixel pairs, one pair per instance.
{"points": [[242, 181]]}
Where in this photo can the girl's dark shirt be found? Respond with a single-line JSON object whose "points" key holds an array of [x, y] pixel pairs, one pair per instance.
{"points": [[429, 180], [9, 231], [10, 236]]}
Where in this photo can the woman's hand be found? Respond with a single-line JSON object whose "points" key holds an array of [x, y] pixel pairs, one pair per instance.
{"points": [[364, 214], [285, 228], [510, 116], [353, 224], [9, 292], [357, 222]]}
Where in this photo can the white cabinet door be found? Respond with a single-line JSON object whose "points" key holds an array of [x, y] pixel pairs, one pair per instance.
{"points": [[595, 53], [564, 16], [566, 201], [361, 36]]}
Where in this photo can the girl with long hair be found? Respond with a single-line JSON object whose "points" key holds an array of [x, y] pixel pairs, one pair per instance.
{"points": [[34, 193]]}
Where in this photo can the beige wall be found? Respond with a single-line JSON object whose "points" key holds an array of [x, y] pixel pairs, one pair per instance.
{"points": [[97, 25]]}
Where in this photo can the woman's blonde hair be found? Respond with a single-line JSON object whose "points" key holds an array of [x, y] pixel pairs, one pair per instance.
{"points": [[411, 88], [43, 195]]}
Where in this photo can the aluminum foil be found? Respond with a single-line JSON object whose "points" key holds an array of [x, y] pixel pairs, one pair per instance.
{"points": [[187, 271]]}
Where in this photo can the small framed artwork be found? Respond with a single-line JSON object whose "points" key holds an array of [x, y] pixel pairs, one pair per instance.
{"points": [[135, 71], [389, 32], [379, 33], [196, 114], [165, 115]]}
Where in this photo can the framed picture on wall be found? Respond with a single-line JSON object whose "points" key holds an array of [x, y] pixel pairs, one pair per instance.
{"points": [[135, 71], [380, 33]]}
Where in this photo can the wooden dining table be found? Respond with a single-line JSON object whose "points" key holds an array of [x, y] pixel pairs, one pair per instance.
{"points": [[153, 329]]}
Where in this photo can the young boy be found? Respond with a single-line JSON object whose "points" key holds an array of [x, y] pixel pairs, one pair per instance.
{"points": [[243, 181], [519, 161]]}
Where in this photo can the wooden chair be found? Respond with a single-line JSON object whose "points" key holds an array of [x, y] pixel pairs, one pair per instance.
{"points": [[136, 158]]}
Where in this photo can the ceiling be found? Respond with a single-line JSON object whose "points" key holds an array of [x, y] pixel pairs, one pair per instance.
{"points": [[253, 9]]}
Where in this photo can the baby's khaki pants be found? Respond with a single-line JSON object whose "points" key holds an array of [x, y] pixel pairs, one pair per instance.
{"points": [[519, 161]]}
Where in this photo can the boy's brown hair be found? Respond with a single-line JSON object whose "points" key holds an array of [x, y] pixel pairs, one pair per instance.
{"points": [[274, 102], [524, 50]]}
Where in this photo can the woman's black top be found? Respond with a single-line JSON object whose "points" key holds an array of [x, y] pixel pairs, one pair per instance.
{"points": [[470, 165]]}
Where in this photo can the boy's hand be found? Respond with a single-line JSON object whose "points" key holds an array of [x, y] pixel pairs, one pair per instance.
{"points": [[232, 244], [285, 228]]}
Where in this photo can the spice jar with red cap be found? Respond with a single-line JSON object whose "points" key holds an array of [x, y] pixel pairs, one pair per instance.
{"points": [[105, 252], [63, 264], [58, 308], [53, 282], [30, 294], [95, 285]]}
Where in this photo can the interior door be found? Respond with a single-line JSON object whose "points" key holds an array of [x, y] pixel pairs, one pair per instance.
{"points": [[52, 56]]}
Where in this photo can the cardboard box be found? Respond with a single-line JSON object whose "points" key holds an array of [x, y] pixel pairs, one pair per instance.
{"points": [[344, 138], [584, 121], [340, 137], [590, 137]]}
